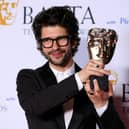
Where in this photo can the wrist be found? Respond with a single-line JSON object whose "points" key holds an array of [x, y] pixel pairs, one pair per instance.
{"points": [[101, 110], [82, 77], [100, 105]]}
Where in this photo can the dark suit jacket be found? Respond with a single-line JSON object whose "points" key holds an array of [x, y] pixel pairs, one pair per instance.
{"points": [[41, 98]]}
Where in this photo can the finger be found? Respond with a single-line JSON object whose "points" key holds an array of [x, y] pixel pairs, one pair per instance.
{"points": [[96, 87], [94, 67], [103, 71], [110, 93], [96, 64], [88, 89]]}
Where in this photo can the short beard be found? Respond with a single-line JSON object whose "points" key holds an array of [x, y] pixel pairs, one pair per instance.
{"points": [[63, 62]]}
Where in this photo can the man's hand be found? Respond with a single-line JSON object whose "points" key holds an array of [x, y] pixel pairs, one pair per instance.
{"points": [[93, 67], [98, 97]]}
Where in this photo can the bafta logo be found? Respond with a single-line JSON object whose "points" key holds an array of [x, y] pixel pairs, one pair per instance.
{"points": [[8, 9]]}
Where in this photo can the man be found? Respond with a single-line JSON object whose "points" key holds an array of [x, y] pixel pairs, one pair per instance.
{"points": [[58, 94]]}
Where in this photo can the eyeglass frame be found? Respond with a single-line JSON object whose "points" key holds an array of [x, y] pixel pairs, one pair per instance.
{"points": [[66, 37]]}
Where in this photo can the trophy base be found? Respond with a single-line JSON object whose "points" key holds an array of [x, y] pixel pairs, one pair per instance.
{"points": [[102, 81]]}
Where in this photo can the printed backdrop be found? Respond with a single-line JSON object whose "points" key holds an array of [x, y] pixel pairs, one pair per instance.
{"points": [[18, 48]]}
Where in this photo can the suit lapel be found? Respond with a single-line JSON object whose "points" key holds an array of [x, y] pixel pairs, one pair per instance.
{"points": [[46, 74], [60, 118]]}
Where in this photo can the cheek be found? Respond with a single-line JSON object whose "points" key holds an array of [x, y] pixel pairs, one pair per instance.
{"points": [[45, 50]]}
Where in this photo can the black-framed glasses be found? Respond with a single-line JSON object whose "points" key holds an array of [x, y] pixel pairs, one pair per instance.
{"points": [[61, 41]]}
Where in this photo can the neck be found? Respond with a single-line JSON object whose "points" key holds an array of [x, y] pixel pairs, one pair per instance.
{"points": [[62, 68]]}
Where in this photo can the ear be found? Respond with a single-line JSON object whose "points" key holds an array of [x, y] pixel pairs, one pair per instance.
{"points": [[74, 44]]}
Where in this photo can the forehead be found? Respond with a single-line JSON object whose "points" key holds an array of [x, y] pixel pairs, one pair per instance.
{"points": [[53, 31]]}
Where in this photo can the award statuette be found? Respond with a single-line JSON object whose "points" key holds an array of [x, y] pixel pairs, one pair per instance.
{"points": [[101, 46]]}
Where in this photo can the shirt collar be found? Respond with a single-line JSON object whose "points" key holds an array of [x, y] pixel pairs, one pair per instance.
{"points": [[66, 73]]}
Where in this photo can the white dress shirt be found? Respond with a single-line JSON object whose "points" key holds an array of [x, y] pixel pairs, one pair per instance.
{"points": [[68, 106]]}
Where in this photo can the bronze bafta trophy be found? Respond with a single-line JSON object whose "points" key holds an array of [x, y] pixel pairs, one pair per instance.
{"points": [[101, 46]]}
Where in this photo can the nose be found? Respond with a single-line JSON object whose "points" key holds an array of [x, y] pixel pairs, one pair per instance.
{"points": [[55, 45]]}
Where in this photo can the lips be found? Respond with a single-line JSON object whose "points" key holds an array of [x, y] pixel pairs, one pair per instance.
{"points": [[57, 54]]}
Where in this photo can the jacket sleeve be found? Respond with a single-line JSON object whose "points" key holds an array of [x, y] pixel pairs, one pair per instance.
{"points": [[110, 118], [35, 97]]}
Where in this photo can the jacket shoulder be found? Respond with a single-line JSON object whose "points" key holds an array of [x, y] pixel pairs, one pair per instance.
{"points": [[25, 72]]}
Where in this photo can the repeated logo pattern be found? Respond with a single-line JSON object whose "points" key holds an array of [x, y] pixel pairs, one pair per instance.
{"points": [[8, 9]]}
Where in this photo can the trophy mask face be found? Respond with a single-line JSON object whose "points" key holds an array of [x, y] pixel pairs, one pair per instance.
{"points": [[101, 44], [8, 9]]}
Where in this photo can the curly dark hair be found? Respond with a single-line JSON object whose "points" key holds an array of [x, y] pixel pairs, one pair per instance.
{"points": [[62, 16]]}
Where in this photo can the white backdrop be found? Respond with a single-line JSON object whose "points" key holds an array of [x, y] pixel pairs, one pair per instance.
{"points": [[18, 50]]}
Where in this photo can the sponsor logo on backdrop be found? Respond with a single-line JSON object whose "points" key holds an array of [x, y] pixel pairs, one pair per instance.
{"points": [[87, 14], [86, 18], [122, 21], [84, 14], [6, 103], [8, 10], [125, 97]]}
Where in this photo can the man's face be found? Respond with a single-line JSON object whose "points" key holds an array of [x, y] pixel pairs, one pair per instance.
{"points": [[56, 54], [8, 10]]}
